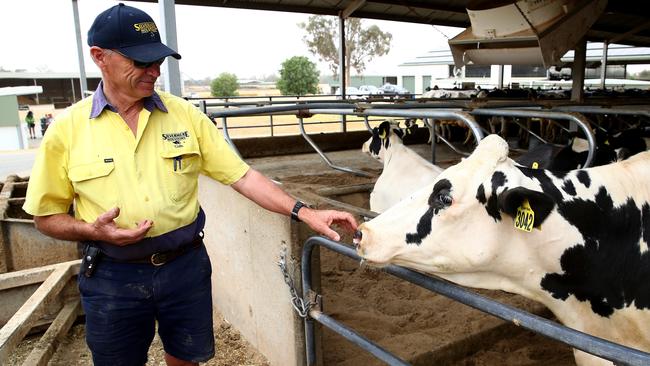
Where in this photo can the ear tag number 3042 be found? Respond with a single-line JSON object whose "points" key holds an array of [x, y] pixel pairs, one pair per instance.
{"points": [[525, 217]]}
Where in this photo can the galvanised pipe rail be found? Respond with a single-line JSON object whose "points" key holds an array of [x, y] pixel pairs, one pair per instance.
{"points": [[417, 113], [579, 119], [324, 157], [601, 110], [357, 339], [617, 353], [266, 110]]}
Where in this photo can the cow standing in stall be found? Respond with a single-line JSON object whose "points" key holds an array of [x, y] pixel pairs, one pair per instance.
{"points": [[576, 241], [404, 170]]}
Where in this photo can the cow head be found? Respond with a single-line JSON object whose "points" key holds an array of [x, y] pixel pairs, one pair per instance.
{"points": [[387, 134], [455, 225]]}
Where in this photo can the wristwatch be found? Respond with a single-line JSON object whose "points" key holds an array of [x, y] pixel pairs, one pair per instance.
{"points": [[296, 208]]}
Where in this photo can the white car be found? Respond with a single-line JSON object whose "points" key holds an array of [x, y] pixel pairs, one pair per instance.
{"points": [[369, 90], [351, 92], [393, 89]]}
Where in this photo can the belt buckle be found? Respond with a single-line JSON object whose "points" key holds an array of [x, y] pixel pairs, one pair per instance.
{"points": [[156, 261]]}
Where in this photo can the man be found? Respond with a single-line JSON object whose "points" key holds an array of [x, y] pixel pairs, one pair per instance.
{"points": [[129, 159]]}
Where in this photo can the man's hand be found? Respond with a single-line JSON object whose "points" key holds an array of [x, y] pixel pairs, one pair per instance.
{"points": [[105, 229], [321, 220]]}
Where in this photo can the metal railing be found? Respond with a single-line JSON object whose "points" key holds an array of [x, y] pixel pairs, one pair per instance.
{"points": [[308, 109], [617, 353], [576, 118]]}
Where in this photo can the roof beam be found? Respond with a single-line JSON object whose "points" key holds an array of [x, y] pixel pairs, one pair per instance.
{"points": [[428, 5], [633, 31], [354, 5]]}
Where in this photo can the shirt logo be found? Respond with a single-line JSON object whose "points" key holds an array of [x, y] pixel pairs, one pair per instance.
{"points": [[146, 27], [176, 138]]}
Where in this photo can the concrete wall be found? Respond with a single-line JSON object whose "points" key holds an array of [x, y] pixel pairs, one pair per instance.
{"points": [[12, 136], [244, 242]]}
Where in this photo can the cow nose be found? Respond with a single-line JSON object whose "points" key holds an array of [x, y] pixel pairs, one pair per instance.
{"points": [[356, 239]]}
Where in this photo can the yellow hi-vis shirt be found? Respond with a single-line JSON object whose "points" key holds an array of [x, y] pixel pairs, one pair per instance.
{"points": [[99, 164]]}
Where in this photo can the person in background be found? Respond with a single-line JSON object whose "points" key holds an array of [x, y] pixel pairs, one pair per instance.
{"points": [[129, 158], [43, 125], [31, 123]]}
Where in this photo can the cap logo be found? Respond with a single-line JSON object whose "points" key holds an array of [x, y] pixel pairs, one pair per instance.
{"points": [[146, 27]]}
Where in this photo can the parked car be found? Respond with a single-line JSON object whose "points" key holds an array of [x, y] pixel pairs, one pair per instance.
{"points": [[351, 92], [369, 90], [393, 89]]}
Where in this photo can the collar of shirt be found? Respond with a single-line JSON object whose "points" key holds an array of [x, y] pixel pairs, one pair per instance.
{"points": [[100, 102]]}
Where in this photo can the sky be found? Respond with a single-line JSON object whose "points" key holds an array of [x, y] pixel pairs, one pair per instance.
{"points": [[39, 35]]}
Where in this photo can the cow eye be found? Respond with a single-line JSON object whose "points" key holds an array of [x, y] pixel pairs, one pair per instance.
{"points": [[445, 199]]}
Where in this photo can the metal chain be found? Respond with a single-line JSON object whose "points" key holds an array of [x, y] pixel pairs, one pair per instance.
{"points": [[301, 306]]}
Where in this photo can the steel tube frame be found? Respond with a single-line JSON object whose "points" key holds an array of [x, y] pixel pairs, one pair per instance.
{"points": [[416, 113], [587, 109], [335, 108], [324, 157], [355, 338], [579, 119], [594, 345], [433, 141], [263, 110]]}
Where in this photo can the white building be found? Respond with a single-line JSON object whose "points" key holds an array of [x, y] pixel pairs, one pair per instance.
{"points": [[437, 68]]}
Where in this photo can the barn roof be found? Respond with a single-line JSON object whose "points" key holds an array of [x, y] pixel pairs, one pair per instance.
{"points": [[622, 22]]}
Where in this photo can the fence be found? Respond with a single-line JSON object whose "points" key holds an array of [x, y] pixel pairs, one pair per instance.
{"points": [[619, 354]]}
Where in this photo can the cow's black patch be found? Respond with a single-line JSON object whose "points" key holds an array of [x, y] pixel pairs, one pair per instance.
{"points": [[480, 194], [375, 142], [423, 229], [545, 182], [609, 270], [492, 207], [583, 177], [569, 188]]}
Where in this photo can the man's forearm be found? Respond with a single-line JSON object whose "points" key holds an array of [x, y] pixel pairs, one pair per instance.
{"points": [[63, 226], [264, 192]]}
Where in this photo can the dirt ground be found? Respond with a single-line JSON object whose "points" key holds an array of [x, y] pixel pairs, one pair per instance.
{"points": [[231, 349]]}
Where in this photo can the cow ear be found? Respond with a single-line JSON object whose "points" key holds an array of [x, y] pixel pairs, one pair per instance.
{"points": [[541, 204], [384, 129]]}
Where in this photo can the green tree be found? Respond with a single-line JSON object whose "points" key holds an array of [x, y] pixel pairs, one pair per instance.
{"points": [[643, 75], [225, 85], [362, 44], [298, 76]]}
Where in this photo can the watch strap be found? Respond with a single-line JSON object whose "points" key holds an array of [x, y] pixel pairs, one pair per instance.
{"points": [[296, 208]]}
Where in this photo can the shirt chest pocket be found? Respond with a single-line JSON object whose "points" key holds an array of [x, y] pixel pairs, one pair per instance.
{"points": [[94, 182], [181, 171]]}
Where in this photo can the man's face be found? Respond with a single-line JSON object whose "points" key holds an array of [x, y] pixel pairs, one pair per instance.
{"points": [[122, 73]]}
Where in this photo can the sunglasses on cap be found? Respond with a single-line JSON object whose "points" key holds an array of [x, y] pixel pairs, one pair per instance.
{"points": [[140, 64]]}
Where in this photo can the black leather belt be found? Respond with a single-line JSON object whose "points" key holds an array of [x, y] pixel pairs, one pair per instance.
{"points": [[160, 258]]}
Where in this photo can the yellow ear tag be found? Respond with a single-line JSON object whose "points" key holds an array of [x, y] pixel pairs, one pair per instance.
{"points": [[525, 217], [606, 142], [382, 135], [535, 165]]}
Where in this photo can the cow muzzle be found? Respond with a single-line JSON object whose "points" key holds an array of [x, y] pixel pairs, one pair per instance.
{"points": [[356, 239]]}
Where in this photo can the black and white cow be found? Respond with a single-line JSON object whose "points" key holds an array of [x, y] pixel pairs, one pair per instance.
{"points": [[576, 241], [609, 148], [404, 170]]}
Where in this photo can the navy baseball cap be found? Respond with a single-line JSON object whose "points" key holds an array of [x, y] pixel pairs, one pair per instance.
{"points": [[131, 31]]}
